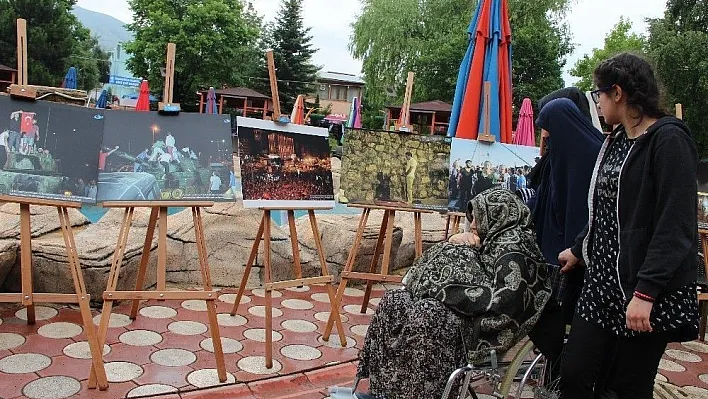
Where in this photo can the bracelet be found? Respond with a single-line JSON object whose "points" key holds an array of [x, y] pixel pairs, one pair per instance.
{"points": [[643, 297]]}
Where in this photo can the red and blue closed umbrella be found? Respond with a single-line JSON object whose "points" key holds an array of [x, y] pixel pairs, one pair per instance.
{"points": [[487, 61], [211, 102]]}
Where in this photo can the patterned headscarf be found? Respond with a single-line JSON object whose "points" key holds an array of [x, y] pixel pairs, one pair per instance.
{"points": [[500, 288]]}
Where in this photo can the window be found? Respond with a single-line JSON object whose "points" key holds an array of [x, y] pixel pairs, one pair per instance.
{"points": [[339, 93]]}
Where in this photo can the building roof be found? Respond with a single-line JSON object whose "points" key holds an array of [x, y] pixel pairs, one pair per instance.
{"points": [[239, 92], [7, 68], [340, 77], [428, 106]]}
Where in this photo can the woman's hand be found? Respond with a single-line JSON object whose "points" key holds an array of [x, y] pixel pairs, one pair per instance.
{"points": [[466, 238], [638, 313], [567, 260]]}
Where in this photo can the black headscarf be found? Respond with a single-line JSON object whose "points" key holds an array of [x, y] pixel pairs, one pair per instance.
{"points": [[573, 94]]}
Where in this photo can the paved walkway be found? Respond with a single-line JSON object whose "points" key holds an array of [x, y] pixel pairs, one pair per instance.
{"points": [[167, 350]]}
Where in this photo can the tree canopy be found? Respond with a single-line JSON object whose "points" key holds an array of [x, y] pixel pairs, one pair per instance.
{"points": [[620, 39], [429, 37], [216, 43], [56, 40]]}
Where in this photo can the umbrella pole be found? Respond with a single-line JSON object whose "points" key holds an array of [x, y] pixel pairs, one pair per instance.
{"points": [[166, 105]]}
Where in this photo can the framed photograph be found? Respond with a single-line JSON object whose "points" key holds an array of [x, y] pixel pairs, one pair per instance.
{"points": [[476, 166], [395, 169], [703, 210], [49, 150], [146, 156], [284, 165]]}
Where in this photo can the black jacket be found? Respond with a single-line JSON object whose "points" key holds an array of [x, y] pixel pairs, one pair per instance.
{"points": [[657, 197]]}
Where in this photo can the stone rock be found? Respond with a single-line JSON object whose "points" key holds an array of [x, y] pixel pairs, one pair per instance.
{"points": [[44, 219], [433, 229], [8, 256]]}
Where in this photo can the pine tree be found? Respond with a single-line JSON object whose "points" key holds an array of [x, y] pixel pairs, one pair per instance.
{"points": [[292, 51]]}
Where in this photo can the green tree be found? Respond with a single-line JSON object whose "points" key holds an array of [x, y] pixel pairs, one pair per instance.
{"points": [[429, 37], [55, 39], [292, 52], [90, 60], [215, 43], [678, 44], [620, 39]]}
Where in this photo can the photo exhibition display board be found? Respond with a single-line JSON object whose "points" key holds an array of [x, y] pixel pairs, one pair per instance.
{"points": [[284, 165], [49, 150], [395, 169], [146, 156]]}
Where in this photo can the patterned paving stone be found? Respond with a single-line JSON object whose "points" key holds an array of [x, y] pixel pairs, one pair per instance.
{"points": [[208, 377], [140, 338], [696, 392], [324, 316], [196, 305], [81, 350], [300, 352], [187, 328], [60, 330], [660, 377], [24, 363], [52, 388], [231, 298], [158, 312], [226, 320], [334, 341], [304, 288], [683, 356], [0, 321], [117, 320], [10, 340], [375, 301], [297, 304], [228, 345], [260, 292], [258, 335], [320, 297], [301, 326], [151, 390], [704, 378], [668, 365], [360, 330], [696, 346], [354, 309], [40, 313], [350, 291], [260, 311], [173, 357], [122, 371], [256, 365]]}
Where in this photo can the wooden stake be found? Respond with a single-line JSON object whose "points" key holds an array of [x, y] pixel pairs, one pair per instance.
{"points": [[273, 85], [404, 118], [167, 105], [21, 89], [679, 111], [486, 135]]}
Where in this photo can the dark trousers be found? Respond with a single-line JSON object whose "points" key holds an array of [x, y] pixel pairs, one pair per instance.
{"points": [[595, 360]]}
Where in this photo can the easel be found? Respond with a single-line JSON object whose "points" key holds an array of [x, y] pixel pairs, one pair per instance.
{"points": [[28, 298], [158, 211], [383, 244], [264, 233], [454, 218], [485, 135]]}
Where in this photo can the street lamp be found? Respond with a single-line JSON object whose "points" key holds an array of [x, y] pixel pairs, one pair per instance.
{"points": [[155, 129]]}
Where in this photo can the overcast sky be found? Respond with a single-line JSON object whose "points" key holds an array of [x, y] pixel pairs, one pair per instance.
{"points": [[589, 21]]}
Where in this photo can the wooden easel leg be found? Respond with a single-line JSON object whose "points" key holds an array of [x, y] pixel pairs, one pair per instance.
{"points": [[144, 259], [418, 221], [26, 261], [162, 250], [249, 264], [294, 243], [334, 312], [112, 284], [347, 268], [375, 260], [268, 293], [447, 227], [456, 225], [211, 306], [83, 299]]}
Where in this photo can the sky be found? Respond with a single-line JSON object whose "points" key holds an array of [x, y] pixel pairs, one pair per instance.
{"points": [[589, 22]]}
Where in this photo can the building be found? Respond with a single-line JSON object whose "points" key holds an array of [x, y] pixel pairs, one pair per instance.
{"points": [[338, 90], [247, 102], [430, 117], [7, 77]]}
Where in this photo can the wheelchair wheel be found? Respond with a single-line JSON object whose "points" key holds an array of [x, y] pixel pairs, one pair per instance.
{"points": [[533, 383]]}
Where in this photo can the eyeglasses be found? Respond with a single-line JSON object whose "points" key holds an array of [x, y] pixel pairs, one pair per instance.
{"points": [[595, 94]]}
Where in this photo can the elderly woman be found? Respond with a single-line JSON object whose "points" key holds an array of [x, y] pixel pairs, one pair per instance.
{"points": [[482, 291]]}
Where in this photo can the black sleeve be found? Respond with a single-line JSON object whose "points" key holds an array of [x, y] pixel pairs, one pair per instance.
{"points": [[577, 248], [674, 165]]}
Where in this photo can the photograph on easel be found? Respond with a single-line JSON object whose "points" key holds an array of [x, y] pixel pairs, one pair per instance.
{"points": [[146, 156], [395, 169], [49, 150], [476, 166], [702, 210], [285, 165]]}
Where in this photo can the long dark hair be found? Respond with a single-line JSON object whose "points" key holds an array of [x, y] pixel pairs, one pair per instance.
{"points": [[636, 78]]}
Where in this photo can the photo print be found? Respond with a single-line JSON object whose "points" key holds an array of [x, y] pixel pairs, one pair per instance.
{"points": [[476, 166], [284, 165], [49, 150], [146, 156], [395, 169]]}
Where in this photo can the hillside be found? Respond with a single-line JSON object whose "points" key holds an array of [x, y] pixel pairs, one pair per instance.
{"points": [[110, 31]]}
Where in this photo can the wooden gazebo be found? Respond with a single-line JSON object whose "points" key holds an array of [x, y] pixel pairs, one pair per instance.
{"points": [[433, 116], [7, 77], [242, 98]]}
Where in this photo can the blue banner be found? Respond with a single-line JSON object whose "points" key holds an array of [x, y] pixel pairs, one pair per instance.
{"points": [[124, 81]]}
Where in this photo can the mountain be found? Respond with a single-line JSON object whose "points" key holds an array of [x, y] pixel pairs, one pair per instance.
{"points": [[110, 31]]}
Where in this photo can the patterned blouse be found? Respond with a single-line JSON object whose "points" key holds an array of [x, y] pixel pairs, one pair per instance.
{"points": [[603, 301]]}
